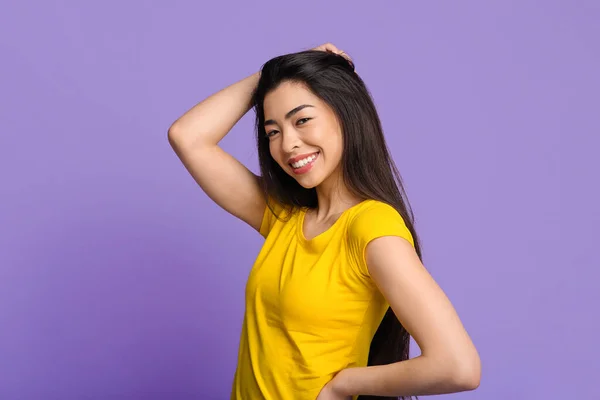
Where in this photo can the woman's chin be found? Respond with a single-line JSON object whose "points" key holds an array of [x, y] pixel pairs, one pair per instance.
{"points": [[307, 182], [308, 186]]}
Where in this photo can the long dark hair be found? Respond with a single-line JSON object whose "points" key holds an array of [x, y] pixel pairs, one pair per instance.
{"points": [[367, 167]]}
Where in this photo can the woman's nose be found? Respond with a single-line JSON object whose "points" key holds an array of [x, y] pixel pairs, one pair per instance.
{"points": [[289, 141]]}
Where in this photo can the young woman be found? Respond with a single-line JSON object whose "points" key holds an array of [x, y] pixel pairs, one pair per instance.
{"points": [[339, 284]]}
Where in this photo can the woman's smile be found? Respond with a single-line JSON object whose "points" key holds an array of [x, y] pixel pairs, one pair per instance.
{"points": [[304, 165]]}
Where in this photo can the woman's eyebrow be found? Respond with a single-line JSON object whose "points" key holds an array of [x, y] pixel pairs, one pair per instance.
{"points": [[289, 114]]}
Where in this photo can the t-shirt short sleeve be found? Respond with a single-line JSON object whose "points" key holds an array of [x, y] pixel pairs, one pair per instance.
{"points": [[376, 220], [269, 216]]}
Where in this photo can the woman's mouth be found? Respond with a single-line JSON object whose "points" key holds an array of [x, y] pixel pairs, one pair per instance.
{"points": [[304, 165]]}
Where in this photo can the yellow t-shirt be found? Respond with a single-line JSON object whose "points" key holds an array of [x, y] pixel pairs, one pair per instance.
{"points": [[311, 306]]}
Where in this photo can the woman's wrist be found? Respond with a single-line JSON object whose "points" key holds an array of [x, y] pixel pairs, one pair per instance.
{"points": [[342, 382]]}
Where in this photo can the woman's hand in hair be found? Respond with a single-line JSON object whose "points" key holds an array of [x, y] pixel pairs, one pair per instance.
{"points": [[330, 47]]}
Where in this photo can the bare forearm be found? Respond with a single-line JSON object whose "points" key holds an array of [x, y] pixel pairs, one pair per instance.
{"points": [[211, 119], [417, 376]]}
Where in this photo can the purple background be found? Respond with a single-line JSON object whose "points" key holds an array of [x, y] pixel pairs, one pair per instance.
{"points": [[120, 279]]}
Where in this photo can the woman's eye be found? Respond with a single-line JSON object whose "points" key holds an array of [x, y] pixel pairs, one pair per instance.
{"points": [[301, 121]]}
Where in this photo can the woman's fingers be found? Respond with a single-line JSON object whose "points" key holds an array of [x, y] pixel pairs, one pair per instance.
{"points": [[330, 47], [333, 49]]}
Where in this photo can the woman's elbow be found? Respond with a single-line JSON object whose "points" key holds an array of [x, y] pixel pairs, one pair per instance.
{"points": [[467, 375]]}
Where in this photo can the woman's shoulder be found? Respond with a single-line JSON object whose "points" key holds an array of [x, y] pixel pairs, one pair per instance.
{"points": [[372, 208], [276, 211], [373, 218]]}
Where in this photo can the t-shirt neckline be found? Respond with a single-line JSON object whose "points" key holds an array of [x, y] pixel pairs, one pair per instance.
{"points": [[323, 236]]}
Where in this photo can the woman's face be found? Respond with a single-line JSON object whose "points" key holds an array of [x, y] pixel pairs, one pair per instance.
{"points": [[305, 138]]}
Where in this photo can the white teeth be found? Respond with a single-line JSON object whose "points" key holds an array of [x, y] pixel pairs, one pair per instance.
{"points": [[304, 161]]}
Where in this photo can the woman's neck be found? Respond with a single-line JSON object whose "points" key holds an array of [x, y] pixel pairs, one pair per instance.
{"points": [[333, 198]]}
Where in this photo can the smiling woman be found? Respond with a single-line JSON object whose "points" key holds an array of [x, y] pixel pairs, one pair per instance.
{"points": [[303, 162], [307, 139], [338, 286]]}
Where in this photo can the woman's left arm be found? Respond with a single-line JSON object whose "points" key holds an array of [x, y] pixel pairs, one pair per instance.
{"points": [[448, 362]]}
